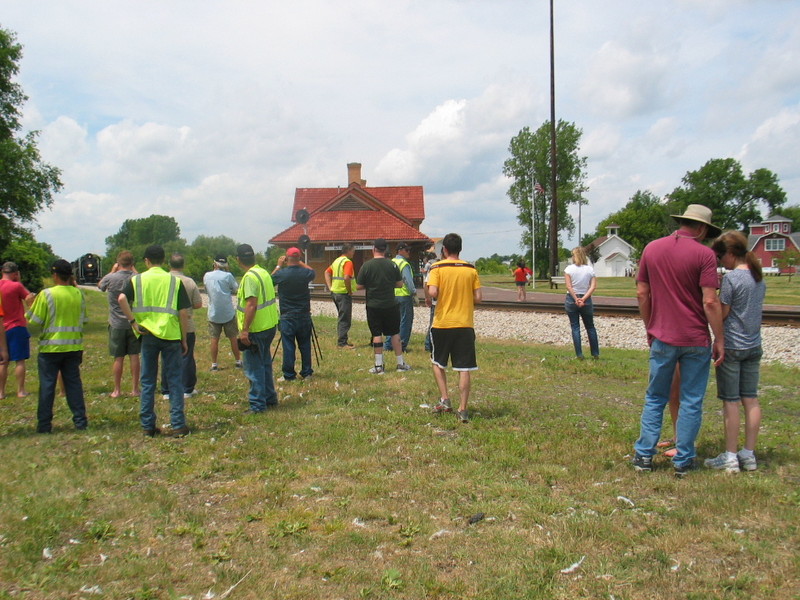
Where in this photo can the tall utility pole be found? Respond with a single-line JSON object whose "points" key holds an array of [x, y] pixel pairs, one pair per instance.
{"points": [[553, 166]]}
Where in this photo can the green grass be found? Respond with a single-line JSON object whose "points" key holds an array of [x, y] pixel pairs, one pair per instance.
{"points": [[351, 490], [780, 290]]}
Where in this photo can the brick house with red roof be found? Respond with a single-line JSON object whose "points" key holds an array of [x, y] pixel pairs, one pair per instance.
{"points": [[357, 214]]}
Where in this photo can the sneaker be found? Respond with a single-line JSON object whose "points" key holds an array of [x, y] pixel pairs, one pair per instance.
{"points": [[165, 396], [642, 463], [443, 406], [151, 432], [347, 346], [404, 367], [723, 462], [747, 463], [377, 370], [683, 470], [214, 367], [238, 364], [463, 416]]}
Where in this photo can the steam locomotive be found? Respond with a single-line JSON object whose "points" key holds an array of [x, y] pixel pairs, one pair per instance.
{"points": [[87, 269]]}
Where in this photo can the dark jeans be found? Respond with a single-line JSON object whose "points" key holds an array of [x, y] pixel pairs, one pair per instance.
{"points": [[296, 328], [257, 361], [170, 353], [344, 306], [575, 314], [188, 368], [69, 365]]}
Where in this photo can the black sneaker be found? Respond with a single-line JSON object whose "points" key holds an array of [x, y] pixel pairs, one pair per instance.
{"points": [[683, 470], [642, 463]]}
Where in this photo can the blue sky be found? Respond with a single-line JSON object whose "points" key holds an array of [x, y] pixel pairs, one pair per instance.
{"points": [[214, 112]]}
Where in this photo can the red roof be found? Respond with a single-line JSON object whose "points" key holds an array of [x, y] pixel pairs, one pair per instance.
{"points": [[357, 213]]}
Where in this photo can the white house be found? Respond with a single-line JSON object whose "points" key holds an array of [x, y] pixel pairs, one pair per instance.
{"points": [[613, 252]]}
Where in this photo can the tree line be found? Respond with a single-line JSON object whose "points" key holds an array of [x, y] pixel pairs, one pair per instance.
{"points": [[736, 198]]}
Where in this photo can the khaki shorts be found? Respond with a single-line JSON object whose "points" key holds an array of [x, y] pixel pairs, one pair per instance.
{"points": [[231, 329]]}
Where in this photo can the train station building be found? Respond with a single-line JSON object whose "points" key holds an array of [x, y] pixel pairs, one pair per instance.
{"points": [[325, 218]]}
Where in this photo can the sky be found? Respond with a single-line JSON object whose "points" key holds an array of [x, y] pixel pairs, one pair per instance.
{"points": [[213, 112]]}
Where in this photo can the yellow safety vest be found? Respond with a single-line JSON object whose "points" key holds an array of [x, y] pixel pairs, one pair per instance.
{"points": [[61, 311], [401, 263], [337, 275], [155, 303], [266, 316]]}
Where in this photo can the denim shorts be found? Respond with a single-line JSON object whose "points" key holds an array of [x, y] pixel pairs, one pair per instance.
{"points": [[737, 376]]}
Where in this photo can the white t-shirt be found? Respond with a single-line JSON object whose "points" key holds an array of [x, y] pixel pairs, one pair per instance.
{"points": [[581, 277]]}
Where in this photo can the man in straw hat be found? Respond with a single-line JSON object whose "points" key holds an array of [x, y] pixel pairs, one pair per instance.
{"points": [[677, 292]]}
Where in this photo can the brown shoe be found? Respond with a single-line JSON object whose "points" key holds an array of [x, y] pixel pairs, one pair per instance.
{"points": [[179, 433], [151, 432]]}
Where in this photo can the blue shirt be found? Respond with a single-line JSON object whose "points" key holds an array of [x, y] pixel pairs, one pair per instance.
{"points": [[220, 285], [294, 297]]}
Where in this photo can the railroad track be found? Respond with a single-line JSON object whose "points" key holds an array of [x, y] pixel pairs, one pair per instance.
{"points": [[774, 317]]}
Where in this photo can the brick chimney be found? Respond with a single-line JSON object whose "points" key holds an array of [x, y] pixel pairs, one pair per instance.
{"points": [[354, 174]]}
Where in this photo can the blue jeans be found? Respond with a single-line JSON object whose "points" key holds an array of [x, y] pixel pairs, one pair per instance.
{"points": [[695, 362], [188, 368], [575, 314], [69, 365], [296, 328], [344, 308], [171, 355], [406, 304], [257, 360]]}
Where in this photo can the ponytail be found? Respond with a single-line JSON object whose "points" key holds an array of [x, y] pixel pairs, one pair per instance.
{"points": [[736, 243]]}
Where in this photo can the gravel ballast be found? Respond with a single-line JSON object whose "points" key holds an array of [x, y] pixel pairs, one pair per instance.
{"points": [[780, 343]]}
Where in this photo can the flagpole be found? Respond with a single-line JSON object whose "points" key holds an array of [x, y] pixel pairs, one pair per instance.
{"points": [[533, 232]]}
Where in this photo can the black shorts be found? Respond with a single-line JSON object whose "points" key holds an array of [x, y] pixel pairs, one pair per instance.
{"points": [[384, 321], [456, 345]]}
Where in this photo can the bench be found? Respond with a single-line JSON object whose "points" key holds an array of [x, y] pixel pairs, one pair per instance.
{"points": [[554, 281]]}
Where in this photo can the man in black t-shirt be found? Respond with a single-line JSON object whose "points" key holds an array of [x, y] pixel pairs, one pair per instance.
{"points": [[379, 277]]}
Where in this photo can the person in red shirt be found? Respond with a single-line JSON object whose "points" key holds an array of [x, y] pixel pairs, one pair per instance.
{"points": [[522, 275], [15, 299]]}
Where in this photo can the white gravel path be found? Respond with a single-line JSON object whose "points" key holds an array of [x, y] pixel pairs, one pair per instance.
{"points": [[781, 344]]}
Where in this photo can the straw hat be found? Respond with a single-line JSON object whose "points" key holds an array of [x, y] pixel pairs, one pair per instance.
{"points": [[701, 214]]}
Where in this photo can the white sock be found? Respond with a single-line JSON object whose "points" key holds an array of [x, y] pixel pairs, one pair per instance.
{"points": [[400, 360], [746, 453], [379, 360]]}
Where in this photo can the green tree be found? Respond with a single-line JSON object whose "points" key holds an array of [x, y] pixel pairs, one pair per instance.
{"points": [[200, 254], [644, 218], [734, 198], [27, 184], [529, 168], [33, 259], [793, 213], [136, 234]]}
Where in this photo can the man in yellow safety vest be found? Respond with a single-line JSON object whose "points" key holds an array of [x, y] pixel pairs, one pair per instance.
{"points": [[405, 296], [339, 277], [156, 304], [61, 313], [257, 315]]}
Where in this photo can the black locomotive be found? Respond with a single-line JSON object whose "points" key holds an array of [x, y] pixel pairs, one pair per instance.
{"points": [[87, 269]]}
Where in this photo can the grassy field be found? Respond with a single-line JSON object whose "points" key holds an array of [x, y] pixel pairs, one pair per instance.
{"points": [[352, 489], [780, 290]]}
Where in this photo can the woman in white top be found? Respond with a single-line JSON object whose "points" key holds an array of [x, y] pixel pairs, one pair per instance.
{"points": [[581, 283]]}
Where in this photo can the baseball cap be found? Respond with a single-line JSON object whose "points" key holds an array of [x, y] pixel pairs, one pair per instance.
{"points": [[62, 268], [221, 260], [380, 245], [245, 251], [293, 252], [403, 246]]}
